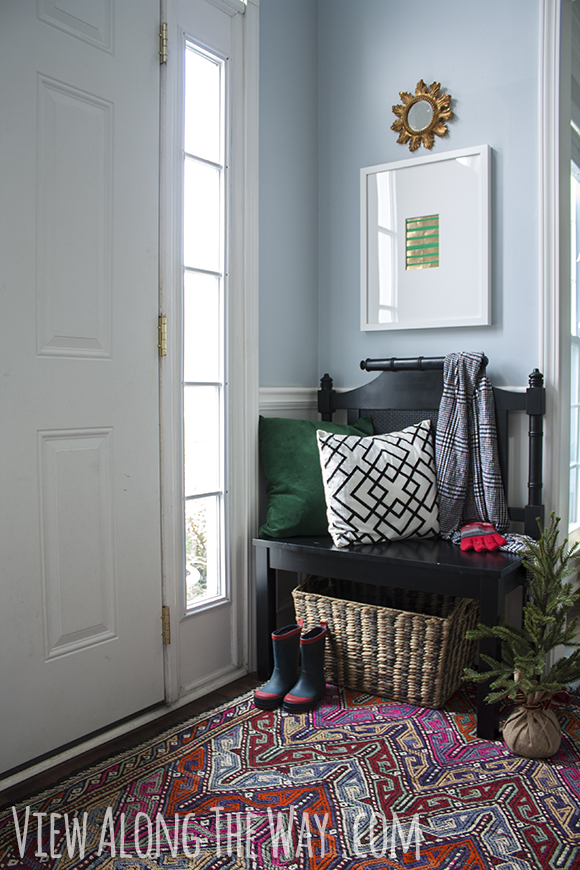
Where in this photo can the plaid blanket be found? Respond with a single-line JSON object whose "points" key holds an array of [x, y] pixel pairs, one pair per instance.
{"points": [[468, 472]]}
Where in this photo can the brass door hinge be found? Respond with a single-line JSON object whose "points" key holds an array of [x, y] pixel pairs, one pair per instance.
{"points": [[165, 625], [163, 43], [162, 336]]}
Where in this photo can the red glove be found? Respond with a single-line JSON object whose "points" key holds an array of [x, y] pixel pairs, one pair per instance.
{"points": [[480, 537]]}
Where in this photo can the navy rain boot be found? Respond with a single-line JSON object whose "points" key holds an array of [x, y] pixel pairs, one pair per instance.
{"points": [[286, 646], [310, 687]]}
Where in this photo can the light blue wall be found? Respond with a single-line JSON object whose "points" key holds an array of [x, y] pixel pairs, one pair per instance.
{"points": [[288, 193], [486, 56]]}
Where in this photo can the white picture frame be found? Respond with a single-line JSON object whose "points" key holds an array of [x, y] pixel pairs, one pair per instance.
{"points": [[425, 242]]}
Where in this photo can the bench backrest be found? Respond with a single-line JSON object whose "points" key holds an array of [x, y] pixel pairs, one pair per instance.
{"points": [[409, 390]]}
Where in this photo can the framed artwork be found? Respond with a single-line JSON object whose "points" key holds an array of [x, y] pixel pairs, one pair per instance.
{"points": [[425, 242]]}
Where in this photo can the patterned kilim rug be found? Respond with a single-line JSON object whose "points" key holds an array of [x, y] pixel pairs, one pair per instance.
{"points": [[358, 783]]}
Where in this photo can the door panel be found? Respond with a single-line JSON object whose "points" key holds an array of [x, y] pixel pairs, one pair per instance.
{"points": [[80, 642], [74, 165]]}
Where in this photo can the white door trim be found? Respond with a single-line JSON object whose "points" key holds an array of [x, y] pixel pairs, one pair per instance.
{"points": [[244, 390], [171, 445], [554, 268], [230, 7]]}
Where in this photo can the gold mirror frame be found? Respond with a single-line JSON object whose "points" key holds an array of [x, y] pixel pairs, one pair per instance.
{"points": [[439, 104]]}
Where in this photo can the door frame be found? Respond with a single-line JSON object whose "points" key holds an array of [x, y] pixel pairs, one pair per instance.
{"points": [[554, 245], [242, 350]]}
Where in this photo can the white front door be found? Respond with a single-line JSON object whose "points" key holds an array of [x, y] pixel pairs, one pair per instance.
{"points": [[80, 599]]}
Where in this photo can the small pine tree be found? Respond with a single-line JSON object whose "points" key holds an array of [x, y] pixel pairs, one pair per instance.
{"points": [[521, 675]]}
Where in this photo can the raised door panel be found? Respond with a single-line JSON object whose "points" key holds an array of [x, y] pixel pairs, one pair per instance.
{"points": [[74, 221]]}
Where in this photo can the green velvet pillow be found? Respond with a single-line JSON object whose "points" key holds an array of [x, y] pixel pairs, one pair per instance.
{"points": [[291, 463]]}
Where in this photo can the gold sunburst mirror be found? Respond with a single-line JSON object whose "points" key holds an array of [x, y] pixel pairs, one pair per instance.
{"points": [[422, 116]]}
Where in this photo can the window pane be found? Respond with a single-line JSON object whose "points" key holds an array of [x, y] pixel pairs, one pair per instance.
{"points": [[203, 327], [574, 455], [574, 517], [575, 381], [202, 106], [201, 216], [202, 345], [202, 441], [575, 251], [202, 549]]}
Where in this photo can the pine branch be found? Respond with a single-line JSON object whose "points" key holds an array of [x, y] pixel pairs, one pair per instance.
{"points": [[545, 626]]}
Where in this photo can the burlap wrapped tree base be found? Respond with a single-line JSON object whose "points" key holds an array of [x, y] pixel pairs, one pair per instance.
{"points": [[532, 732]]}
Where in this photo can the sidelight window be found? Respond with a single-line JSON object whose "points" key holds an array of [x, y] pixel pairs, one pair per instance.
{"points": [[204, 276]]}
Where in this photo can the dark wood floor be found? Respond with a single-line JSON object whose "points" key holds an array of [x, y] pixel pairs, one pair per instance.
{"points": [[44, 780]]}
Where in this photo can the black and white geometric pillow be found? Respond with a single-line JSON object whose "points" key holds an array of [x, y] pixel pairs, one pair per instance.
{"points": [[380, 488]]}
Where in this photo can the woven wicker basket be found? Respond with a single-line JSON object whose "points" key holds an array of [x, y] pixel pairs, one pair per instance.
{"points": [[405, 645]]}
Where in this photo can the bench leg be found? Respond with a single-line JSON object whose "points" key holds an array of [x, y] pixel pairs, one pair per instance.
{"points": [[487, 715], [265, 611]]}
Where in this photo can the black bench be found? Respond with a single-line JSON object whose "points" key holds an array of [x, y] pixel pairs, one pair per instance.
{"points": [[406, 392]]}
